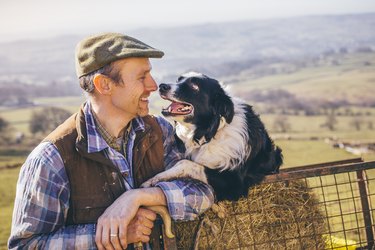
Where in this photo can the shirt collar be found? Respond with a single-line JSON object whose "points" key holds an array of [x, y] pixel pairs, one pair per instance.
{"points": [[95, 141], [113, 142]]}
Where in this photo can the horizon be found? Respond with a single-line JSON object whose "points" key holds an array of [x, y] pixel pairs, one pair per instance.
{"points": [[38, 36], [45, 19]]}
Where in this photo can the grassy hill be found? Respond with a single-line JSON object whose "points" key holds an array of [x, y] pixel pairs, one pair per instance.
{"points": [[200, 47], [350, 78]]}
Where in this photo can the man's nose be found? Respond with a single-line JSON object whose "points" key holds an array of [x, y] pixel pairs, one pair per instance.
{"points": [[151, 85]]}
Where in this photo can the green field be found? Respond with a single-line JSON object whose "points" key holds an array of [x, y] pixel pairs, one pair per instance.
{"points": [[8, 180], [300, 126], [303, 152], [19, 117]]}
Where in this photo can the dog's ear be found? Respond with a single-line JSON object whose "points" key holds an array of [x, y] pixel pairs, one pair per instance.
{"points": [[208, 130], [223, 104]]}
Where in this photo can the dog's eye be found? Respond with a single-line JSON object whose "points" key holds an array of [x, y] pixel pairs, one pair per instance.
{"points": [[195, 87]]}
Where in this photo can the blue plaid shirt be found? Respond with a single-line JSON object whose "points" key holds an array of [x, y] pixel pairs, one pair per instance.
{"points": [[42, 198]]}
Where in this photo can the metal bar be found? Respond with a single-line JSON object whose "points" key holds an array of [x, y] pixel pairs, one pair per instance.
{"points": [[340, 207], [325, 164], [325, 209], [319, 171], [362, 184], [355, 206]]}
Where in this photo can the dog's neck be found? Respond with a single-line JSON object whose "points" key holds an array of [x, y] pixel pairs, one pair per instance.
{"points": [[230, 143], [185, 131]]}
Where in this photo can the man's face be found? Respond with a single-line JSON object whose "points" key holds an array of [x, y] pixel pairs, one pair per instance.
{"points": [[131, 94]]}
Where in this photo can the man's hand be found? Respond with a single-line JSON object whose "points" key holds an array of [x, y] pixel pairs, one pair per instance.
{"points": [[139, 229], [125, 222]]}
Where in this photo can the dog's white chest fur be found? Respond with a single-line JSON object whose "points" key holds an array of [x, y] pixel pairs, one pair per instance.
{"points": [[227, 150]]}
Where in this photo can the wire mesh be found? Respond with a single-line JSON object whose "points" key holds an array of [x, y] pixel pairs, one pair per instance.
{"points": [[322, 206]]}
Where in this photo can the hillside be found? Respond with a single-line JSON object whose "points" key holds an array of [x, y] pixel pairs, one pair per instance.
{"points": [[350, 79], [204, 45], [255, 54]]}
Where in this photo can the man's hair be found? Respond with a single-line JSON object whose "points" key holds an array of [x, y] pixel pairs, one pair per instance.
{"points": [[87, 81]]}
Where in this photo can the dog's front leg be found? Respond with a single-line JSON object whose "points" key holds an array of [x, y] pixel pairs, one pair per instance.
{"points": [[182, 169]]}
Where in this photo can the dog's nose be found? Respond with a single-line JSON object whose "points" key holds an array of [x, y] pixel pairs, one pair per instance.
{"points": [[164, 87]]}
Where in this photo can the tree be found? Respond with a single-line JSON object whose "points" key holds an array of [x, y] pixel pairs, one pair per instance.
{"points": [[370, 125], [47, 119], [281, 123], [331, 121], [356, 122], [3, 124], [5, 132]]}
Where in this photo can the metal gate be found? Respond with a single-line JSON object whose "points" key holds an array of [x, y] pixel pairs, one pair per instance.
{"points": [[347, 197], [344, 194]]}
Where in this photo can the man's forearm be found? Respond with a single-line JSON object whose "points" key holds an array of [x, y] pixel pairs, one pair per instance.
{"points": [[80, 236], [112, 226], [153, 196]]}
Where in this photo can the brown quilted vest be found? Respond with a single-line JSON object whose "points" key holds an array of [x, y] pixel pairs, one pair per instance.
{"points": [[95, 182]]}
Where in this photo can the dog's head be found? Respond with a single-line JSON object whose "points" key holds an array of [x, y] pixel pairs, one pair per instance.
{"points": [[197, 100]]}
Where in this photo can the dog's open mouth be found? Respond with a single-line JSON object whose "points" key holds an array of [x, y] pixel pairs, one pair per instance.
{"points": [[177, 108]]}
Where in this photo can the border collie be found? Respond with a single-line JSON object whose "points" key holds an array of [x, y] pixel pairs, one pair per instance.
{"points": [[226, 143]]}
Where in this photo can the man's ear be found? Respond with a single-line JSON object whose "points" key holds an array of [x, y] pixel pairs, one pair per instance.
{"points": [[103, 84]]}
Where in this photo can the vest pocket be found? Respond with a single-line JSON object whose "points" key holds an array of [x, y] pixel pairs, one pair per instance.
{"points": [[88, 210]]}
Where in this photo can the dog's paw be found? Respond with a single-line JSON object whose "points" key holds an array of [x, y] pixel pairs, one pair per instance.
{"points": [[146, 184], [150, 183]]}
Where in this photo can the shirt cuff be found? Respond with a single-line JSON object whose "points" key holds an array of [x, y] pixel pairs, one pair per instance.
{"points": [[186, 199]]}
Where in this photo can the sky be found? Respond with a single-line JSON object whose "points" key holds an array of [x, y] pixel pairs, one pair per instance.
{"points": [[22, 19]]}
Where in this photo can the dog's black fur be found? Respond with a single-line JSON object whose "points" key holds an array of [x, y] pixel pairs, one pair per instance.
{"points": [[265, 158], [211, 106]]}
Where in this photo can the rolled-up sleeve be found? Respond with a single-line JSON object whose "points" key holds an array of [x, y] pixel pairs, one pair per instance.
{"points": [[186, 198]]}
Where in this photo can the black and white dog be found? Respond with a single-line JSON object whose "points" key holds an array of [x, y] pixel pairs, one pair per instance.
{"points": [[226, 142]]}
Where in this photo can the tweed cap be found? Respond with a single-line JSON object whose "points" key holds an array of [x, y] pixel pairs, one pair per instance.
{"points": [[96, 51]]}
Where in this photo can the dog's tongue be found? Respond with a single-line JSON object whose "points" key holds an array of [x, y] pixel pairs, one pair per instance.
{"points": [[175, 106], [179, 108]]}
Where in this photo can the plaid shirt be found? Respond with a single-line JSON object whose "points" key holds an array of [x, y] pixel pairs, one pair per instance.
{"points": [[42, 198]]}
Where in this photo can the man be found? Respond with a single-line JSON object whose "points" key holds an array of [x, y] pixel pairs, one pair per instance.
{"points": [[78, 188]]}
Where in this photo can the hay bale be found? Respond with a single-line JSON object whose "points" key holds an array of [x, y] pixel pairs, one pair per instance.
{"points": [[281, 215]]}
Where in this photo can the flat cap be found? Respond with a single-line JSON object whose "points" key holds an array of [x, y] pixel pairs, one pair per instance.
{"points": [[96, 51]]}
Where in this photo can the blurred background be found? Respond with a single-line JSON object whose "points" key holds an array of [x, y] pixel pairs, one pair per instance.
{"points": [[307, 67]]}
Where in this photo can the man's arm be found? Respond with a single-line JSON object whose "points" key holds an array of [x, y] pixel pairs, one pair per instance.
{"points": [[116, 218], [41, 205], [185, 199], [183, 203]]}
